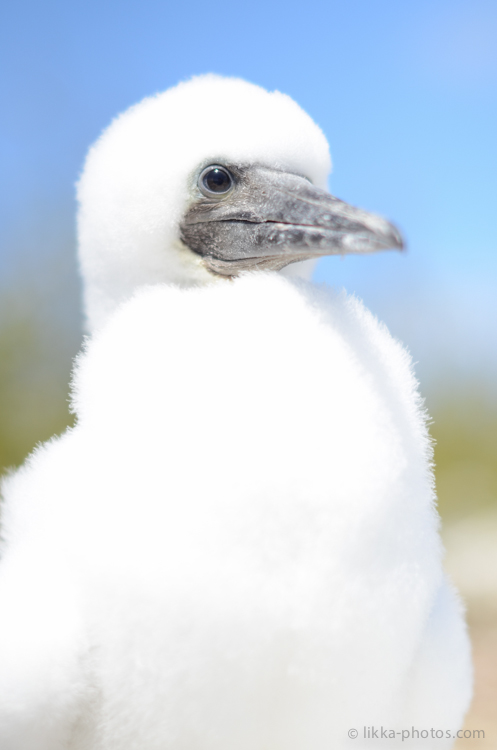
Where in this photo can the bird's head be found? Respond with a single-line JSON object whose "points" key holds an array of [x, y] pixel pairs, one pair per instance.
{"points": [[211, 178]]}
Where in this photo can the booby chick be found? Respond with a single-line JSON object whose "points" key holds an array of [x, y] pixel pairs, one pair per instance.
{"points": [[236, 546]]}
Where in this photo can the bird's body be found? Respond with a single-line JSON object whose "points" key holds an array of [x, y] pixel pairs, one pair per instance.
{"points": [[236, 546]]}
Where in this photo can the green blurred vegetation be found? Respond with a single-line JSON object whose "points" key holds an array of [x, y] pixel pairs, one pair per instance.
{"points": [[33, 394], [465, 430], [39, 336]]}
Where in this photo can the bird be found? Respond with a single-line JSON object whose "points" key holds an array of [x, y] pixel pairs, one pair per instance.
{"points": [[236, 545]]}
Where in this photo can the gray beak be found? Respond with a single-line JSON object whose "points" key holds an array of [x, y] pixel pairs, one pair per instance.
{"points": [[271, 218]]}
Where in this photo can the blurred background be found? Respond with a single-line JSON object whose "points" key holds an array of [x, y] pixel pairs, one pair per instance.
{"points": [[407, 96]]}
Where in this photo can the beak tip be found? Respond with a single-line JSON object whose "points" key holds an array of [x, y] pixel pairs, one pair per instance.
{"points": [[396, 240]]}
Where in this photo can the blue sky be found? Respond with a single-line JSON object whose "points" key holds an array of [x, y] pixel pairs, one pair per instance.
{"points": [[406, 93]]}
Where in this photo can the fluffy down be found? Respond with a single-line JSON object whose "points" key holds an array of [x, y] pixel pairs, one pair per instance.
{"points": [[136, 183], [236, 546]]}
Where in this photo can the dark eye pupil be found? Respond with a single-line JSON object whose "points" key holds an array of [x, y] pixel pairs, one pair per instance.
{"points": [[217, 181]]}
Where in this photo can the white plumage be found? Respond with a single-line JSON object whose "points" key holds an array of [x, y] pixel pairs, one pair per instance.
{"points": [[135, 185], [236, 546]]}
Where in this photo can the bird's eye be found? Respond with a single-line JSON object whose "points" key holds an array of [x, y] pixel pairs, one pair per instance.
{"points": [[215, 181]]}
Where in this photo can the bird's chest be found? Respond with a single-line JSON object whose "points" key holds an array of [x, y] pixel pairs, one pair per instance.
{"points": [[247, 447]]}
